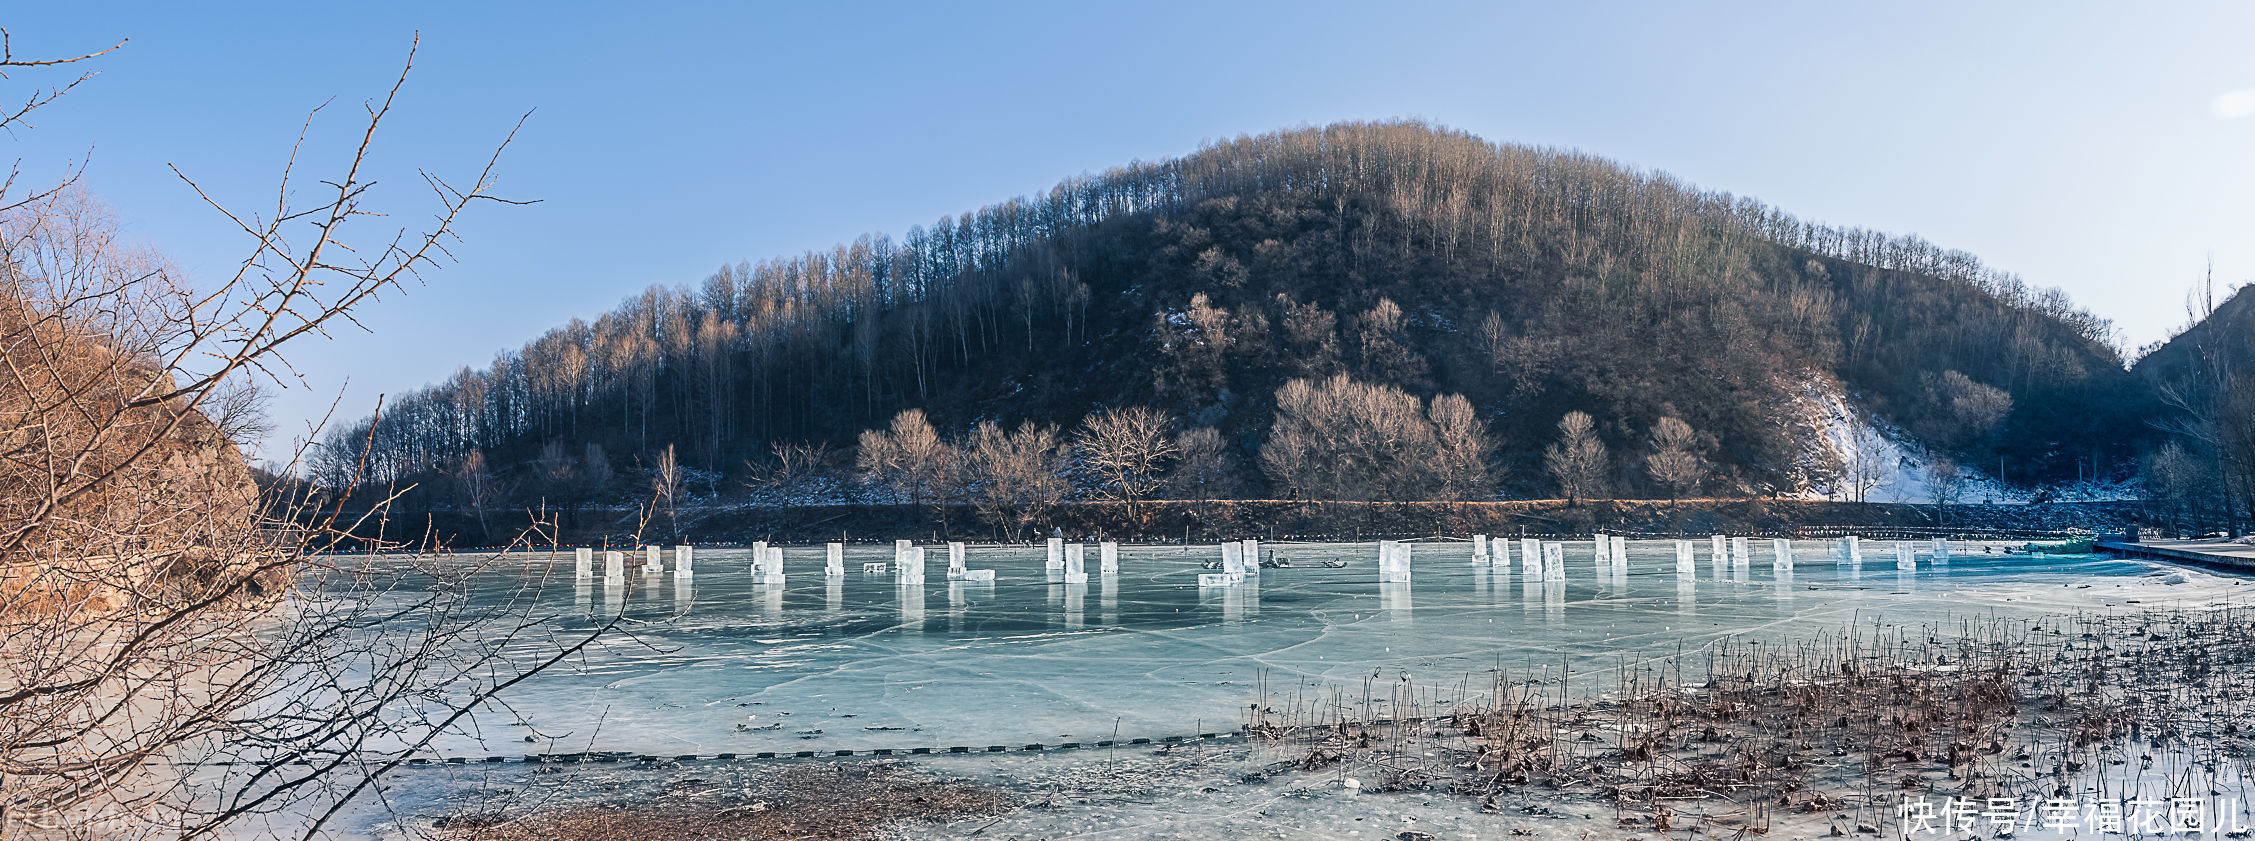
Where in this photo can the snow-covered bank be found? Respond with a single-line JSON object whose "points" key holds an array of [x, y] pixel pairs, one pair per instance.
{"points": [[1879, 462]]}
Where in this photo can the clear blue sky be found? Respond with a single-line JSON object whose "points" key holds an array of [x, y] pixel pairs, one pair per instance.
{"points": [[2097, 148]]}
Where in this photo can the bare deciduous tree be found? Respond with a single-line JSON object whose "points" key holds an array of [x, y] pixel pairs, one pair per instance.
{"points": [[1311, 335], [142, 578], [908, 458], [1866, 461], [788, 467], [475, 487], [665, 487], [1127, 452], [784, 475], [2184, 487], [1385, 350], [1675, 461], [1577, 459], [1462, 448], [1945, 482], [2203, 418], [796, 461], [1348, 440], [1204, 468], [1015, 478], [1194, 346]]}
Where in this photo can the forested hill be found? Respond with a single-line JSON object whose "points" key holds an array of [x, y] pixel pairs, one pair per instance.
{"points": [[1532, 281], [2219, 345], [2199, 388]]}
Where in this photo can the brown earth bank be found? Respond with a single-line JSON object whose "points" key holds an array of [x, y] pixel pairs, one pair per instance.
{"points": [[1170, 521], [841, 801]]}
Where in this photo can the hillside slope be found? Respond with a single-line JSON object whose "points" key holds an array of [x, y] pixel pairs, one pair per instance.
{"points": [[2197, 391], [2217, 346], [1533, 281]]}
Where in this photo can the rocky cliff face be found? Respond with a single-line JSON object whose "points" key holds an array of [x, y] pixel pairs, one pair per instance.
{"points": [[109, 501]]}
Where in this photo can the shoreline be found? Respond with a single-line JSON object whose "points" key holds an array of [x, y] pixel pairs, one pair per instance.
{"points": [[1178, 522]]}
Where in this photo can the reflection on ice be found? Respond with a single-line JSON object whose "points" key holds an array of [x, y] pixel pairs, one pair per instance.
{"points": [[1238, 601], [911, 605], [771, 600], [1491, 585], [1393, 597]]}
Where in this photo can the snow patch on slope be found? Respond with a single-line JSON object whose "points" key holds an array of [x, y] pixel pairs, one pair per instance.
{"points": [[1896, 463]]}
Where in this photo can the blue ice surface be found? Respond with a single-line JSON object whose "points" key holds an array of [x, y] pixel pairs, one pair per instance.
{"points": [[719, 663]]}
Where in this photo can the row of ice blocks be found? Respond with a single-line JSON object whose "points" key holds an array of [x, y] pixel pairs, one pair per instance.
{"points": [[1613, 550], [1072, 559], [767, 563], [908, 561], [614, 563], [1239, 559], [1538, 558], [1849, 550], [1548, 559]]}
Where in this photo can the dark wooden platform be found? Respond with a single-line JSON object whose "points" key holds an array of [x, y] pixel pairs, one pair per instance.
{"points": [[2215, 553]]}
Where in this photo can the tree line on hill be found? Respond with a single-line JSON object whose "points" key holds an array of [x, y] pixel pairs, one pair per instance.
{"points": [[1334, 440], [1497, 288]]}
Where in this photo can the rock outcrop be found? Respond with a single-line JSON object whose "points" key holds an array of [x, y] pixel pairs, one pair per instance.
{"points": [[111, 499]]}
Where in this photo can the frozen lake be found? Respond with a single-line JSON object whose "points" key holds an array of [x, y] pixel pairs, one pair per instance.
{"points": [[719, 663]]}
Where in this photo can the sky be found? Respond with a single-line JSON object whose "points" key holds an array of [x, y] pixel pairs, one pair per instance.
{"points": [[2105, 149]]}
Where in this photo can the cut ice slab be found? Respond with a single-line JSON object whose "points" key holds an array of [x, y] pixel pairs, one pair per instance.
{"points": [[1393, 562], [870, 663]]}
